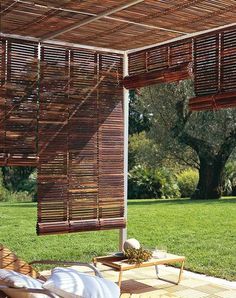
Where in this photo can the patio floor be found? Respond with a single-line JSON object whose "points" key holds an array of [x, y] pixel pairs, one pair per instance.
{"points": [[140, 283]]}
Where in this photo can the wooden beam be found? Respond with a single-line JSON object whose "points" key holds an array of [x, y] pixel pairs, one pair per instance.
{"points": [[123, 232], [90, 20]]}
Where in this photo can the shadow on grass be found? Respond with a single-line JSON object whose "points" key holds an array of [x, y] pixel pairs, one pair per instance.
{"points": [[181, 201]]}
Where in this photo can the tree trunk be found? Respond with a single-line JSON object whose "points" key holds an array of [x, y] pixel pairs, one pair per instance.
{"points": [[210, 178]]}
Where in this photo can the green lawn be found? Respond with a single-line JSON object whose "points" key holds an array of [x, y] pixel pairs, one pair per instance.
{"points": [[203, 231]]}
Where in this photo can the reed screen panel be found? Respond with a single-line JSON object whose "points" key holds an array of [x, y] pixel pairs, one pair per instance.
{"points": [[160, 64], [19, 102], [209, 59], [214, 71], [62, 110], [2, 101]]}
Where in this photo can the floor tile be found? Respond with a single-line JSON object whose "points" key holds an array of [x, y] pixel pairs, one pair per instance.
{"points": [[210, 289], [143, 283], [227, 294], [193, 283], [190, 293]]}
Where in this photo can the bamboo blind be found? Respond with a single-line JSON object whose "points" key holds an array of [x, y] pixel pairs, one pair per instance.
{"points": [[64, 113], [210, 58], [2, 101], [161, 64], [214, 69], [18, 122]]}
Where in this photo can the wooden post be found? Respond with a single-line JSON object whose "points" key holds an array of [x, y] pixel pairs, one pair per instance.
{"points": [[123, 232]]}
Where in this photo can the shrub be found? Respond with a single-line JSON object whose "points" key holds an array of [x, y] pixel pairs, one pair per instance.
{"points": [[229, 179], [146, 183], [187, 182], [8, 196], [11, 196], [169, 188]]}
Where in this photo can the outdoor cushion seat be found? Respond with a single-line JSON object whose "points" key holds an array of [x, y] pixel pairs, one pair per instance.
{"points": [[69, 283], [19, 279]]}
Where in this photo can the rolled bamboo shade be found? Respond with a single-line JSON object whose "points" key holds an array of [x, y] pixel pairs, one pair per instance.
{"points": [[64, 114], [214, 70], [160, 64], [2, 101], [209, 58], [81, 175], [19, 102]]}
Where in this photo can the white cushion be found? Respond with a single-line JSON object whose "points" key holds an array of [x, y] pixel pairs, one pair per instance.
{"points": [[14, 279], [69, 283]]}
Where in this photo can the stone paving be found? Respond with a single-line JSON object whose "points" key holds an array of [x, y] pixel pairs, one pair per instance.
{"points": [[142, 283]]}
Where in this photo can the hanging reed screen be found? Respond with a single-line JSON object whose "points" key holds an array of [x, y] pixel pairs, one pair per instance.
{"points": [[19, 103], [214, 69], [210, 59], [64, 114], [161, 64]]}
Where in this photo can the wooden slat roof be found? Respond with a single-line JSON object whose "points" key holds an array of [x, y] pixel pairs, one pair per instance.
{"points": [[109, 24]]}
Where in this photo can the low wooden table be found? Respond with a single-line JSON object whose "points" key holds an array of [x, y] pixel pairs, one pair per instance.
{"points": [[119, 263]]}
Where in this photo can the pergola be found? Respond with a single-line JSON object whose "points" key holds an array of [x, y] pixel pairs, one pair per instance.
{"points": [[64, 109]]}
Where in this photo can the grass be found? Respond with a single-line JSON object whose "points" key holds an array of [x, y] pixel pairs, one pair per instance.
{"points": [[203, 231]]}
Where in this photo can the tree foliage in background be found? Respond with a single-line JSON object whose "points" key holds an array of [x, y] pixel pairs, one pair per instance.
{"points": [[139, 118], [146, 183], [187, 182], [203, 140], [19, 179]]}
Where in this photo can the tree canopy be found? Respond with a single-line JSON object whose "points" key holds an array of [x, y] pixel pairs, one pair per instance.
{"points": [[204, 140]]}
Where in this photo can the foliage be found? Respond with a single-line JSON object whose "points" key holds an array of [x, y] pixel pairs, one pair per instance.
{"points": [[138, 121], [143, 183], [203, 140], [21, 195], [137, 256], [229, 178], [204, 233], [8, 196], [142, 151], [187, 182], [147, 182], [18, 178]]}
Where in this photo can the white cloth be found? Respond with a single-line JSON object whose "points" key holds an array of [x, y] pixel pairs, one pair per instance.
{"points": [[69, 283], [14, 279]]}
